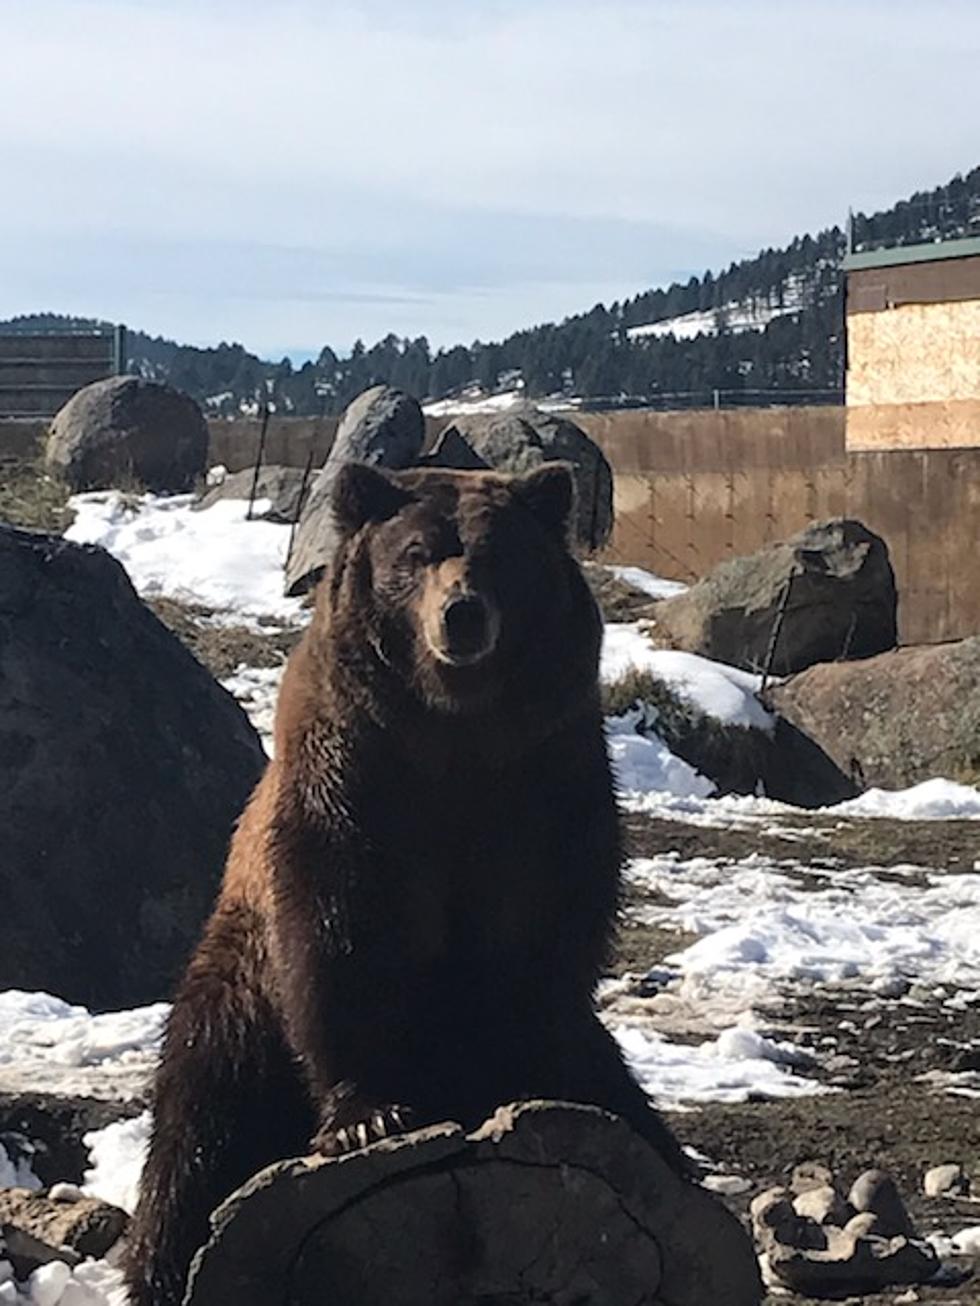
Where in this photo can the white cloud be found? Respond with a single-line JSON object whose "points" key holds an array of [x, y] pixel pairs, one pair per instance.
{"points": [[457, 161]]}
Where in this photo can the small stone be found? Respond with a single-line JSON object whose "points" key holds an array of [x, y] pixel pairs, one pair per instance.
{"points": [[890, 986], [875, 1191], [863, 1225], [852, 1265], [48, 1283], [765, 1202], [810, 1174], [26, 1253], [726, 1185], [946, 1181], [825, 1205], [85, 1225], [967, 1241], [776, 1223]]}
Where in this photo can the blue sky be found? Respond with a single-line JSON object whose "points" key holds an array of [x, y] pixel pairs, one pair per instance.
{"points": [[294, 173]]}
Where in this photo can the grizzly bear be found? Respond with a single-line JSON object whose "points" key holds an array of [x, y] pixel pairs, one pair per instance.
{"points": [[420, 896]]}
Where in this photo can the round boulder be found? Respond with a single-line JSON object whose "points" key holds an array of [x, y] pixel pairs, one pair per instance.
{"points": [[123, 768], [826, 594], [523, 439], [127, 431]]}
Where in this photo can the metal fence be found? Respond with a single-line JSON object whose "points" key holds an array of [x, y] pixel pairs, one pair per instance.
{"points": [[676, 400]]}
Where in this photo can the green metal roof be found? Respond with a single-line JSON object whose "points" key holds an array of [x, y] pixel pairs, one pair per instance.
{"points": [[930, 253]]}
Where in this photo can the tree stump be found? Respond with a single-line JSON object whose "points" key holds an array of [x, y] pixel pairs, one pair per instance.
{"points": [[546, 1203]]}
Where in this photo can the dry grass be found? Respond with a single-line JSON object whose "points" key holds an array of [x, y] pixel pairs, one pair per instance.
{"points": [[617, 600], [31, 499], [223, 648], [636, 688]]}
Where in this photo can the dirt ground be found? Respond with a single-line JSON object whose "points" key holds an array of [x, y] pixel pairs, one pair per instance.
{"points": [[872, 1050]]}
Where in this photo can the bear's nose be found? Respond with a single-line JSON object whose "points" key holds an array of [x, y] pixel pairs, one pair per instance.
{"points": [[466, 624]]}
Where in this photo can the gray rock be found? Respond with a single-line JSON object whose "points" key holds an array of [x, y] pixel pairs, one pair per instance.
{"points": [[896, 719], [383, 427], [87, 1226], [946, 1181], [279, 486], [833, 582], [125, 431], [775, 1221], [853, 1265], [824, 1205], [864, 1224], [26, 1253], [810, 1174], [522, 439], [876, 1192], [770, 1207], [123, 767]]}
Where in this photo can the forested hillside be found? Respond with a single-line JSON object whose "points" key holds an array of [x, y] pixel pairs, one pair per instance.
{"points": [[766, 329]]}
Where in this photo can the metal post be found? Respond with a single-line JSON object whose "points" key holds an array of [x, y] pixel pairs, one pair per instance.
{"points": [[258, 460], [774, 634], [307, 472]]}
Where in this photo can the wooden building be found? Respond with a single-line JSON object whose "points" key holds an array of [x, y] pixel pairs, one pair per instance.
{"points": [[913, 347]]}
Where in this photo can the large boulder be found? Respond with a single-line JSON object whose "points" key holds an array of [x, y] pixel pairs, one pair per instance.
{"points": [[123, 766], [383, 427], [522, 439], [895, 719], [827, 593], [127, 431]]}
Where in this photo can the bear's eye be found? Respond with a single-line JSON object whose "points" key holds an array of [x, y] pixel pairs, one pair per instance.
{"points": [[413, 554]]}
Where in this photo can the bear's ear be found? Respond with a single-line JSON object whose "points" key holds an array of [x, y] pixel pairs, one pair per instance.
{"points": [[362, 494], [549, 493]]}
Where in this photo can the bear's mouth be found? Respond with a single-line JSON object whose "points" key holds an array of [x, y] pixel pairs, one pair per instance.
{"points": [[466, 632]]}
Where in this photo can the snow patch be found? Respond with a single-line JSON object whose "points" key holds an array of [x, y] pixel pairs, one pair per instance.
{"points": [[738, 1065], [640, 579], [932, 800], [644, 762], [473, 402], [725, 693], [46, 1040], [256, 689], [216, 557], [761, 927], [737, 315], [117, 1153]]}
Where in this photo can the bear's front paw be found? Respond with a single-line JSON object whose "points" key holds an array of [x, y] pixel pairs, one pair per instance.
{"points": [[335, 1139]]}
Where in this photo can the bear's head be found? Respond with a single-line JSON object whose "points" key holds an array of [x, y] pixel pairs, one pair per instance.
{"points": [[460, 586]]}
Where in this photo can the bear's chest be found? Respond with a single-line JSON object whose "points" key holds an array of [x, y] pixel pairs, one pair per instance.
{"points": [[469, 869]]}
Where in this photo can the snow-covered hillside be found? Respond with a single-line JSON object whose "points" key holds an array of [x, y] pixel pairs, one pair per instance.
{"points": [[736, 317]]}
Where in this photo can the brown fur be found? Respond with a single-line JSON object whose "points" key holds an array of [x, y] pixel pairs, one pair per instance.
{"points": [[419, 899]]}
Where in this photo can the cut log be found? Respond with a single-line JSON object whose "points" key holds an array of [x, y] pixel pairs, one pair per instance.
{"points": [[546, 1203]]}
